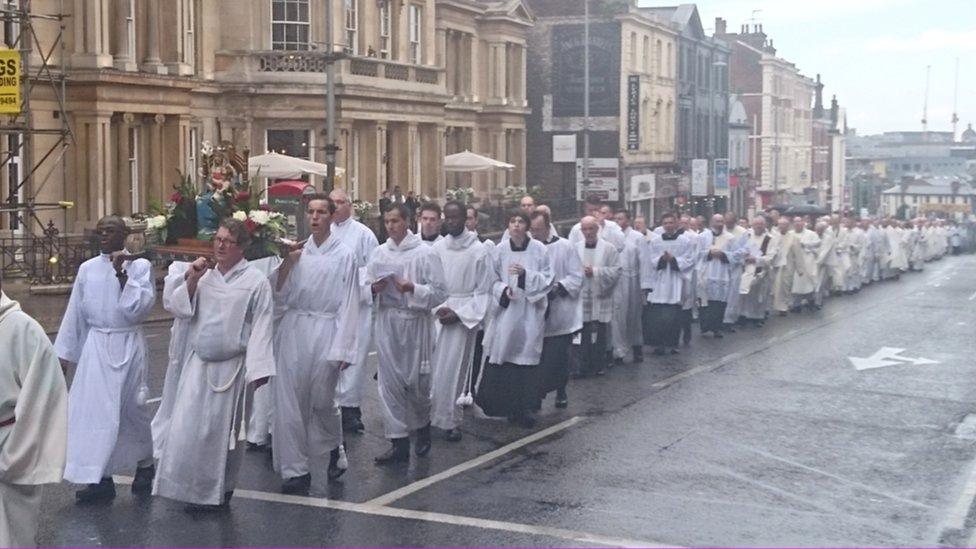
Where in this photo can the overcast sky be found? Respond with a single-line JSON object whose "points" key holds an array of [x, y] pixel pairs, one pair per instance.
{"points": [[872, 53]]}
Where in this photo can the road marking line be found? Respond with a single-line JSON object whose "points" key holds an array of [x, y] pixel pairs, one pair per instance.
{"points": [[400, 493], [585, 538], [972, 297], [956, 519]]}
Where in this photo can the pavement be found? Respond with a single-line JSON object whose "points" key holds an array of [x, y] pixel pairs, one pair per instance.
{"points": [[770, 437]]}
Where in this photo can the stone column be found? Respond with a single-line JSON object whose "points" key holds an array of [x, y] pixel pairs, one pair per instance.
{"points": [[180, 66], [413, 159], [522, 77], [450, 62], [123, 61], [438, 159], [152, 63], [92, 44], [380, 158], [156, 184], [474, 68]]}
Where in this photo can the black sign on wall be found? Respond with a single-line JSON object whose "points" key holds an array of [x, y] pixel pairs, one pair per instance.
{"points": [[633, 112], [568, 83]]}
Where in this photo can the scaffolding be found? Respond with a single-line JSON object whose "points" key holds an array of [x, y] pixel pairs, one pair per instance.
{"points": [[30, 247]]}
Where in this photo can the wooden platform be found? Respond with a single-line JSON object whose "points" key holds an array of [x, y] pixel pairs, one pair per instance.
{"points": [[185, 249]]}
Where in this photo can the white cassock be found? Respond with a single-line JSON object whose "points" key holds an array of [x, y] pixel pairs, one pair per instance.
{"points": [[856, 242], [755, 288], [597, 292], [565, 314], [516, 331], [918, 250], [34, 401], [228, 346], [468, 276], [487, 242], [879, 244], [405, 332], [108, 419], [361, 240], [732, 307], [626, 323], [826, 261], [784, 265], [897, 262], [689, 290], [716, 276], [177, 357], [667, 283], [436, 239], [842, 258], [260, 424], [806, 270], [609, 231], [320, 304]]}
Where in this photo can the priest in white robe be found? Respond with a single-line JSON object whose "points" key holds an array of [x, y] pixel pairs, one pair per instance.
{"points": [[755, 287], [826, 261], [407, 282], [720, 252], [429, 223], [608, 229], [917, 258], [352, 381], [108, 419], [468, 276], [564, 315], [317, 290], [896, 261], [472, 219], [856, 242], [733, 311], [628, 337], [176, 358], [842, 255], [806, 269], [508, 386], [601, 271], [783, 266], [228, 353], [879, 246], [33, 423], [666, 263]]}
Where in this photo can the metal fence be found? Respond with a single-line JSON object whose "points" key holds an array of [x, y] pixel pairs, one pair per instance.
{"points": [[47, 258]]}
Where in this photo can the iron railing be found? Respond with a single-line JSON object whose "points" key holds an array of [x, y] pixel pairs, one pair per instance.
{"points": [[47, 258]]}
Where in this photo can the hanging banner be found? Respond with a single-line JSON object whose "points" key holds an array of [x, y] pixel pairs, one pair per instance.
{"points": [[9, 82], [633, 112], [699, 177], [721, 177]]}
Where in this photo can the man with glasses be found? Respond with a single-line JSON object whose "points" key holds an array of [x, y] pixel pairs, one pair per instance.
{"points": [[228, 354]]}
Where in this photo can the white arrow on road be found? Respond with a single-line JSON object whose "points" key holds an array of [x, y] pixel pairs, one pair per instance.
{"points": [[887, 356]]}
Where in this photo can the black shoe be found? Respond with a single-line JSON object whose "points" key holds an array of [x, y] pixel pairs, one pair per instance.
{"points": [[352, 420], [562, 400], [658, 351], [142, 483], [452, 435], [297, 485], [719, 335], [422, 445], [399, 452], [526, 421], [103, 491], [638, 355], [674, 351], [255, 447], [618, 362], [200, 508], [337, 462]]}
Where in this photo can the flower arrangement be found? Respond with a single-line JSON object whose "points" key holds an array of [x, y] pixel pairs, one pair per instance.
{"points": [[463, 195], [362, 208], [513, 194]]}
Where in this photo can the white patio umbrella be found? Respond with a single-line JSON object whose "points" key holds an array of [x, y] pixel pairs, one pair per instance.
{"points": [[282, 166], [468, 161]]}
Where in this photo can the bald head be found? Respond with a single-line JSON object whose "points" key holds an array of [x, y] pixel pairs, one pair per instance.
{"points": [[590, 227], [718, 222], [759, 224], [544, 209], [343, 207]]}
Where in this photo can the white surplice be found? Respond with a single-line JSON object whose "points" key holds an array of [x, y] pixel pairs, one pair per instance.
{"points": [[108, 419], [626, 328], [732, 305], [260, 423], [716, 276], [784, 265], [320, 304], [468, 275], [32, 449], [516, 331], [360, 239], [177, 357], [229, 345], [667, 283], [404, 332], [597, 292], [806, 268], [565, 314], [755, 288]]}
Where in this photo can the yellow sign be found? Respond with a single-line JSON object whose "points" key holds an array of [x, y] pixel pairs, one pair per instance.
{"points": [[9, 82]]}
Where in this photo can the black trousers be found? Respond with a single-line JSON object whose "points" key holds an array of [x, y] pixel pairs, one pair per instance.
{"points": [[710, 318], [554, 364], [684, 332], [593, 347], [662, 324]]}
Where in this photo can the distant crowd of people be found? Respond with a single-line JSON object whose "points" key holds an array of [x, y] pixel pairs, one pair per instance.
{"points": [[272, 354]]}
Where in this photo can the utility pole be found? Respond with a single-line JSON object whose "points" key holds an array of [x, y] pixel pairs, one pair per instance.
{"points": [[586, 95], [925, 108], [955, 103], [331, 57]]}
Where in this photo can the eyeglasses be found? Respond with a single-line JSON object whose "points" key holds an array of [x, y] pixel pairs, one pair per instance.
{"points": [[224, 241]]}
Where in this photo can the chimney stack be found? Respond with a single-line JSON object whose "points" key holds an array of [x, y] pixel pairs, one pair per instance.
{"points": [[818, 109], [719, 25]]}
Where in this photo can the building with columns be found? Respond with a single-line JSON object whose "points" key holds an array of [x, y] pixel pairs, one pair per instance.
{"points": [[632, 98], [149, 81], [778, 101]]}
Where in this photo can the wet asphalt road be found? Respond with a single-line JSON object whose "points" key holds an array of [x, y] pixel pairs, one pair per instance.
{"points": [[769, 437]]}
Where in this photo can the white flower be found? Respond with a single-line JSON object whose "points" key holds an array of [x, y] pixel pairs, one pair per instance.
{"points": [[156, 223], [260, 217], [206, 148], [239, 215]]}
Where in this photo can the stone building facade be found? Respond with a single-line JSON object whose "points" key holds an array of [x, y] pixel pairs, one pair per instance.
{"points": [[150, 80]]}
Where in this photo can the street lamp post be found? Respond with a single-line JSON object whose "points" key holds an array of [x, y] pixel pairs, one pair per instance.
{"points": [[331, 57], [586, 95]]}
